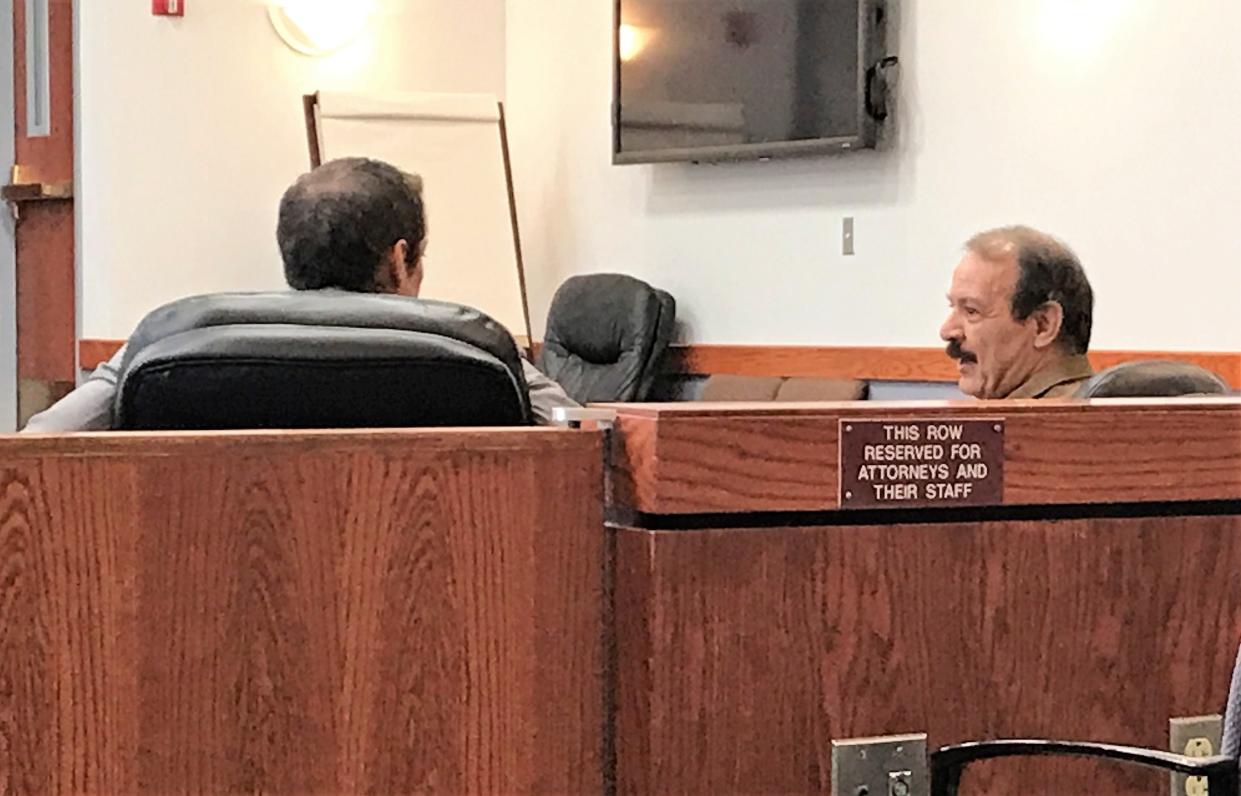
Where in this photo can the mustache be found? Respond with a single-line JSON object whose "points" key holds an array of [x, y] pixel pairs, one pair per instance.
{"points": [[955, 351]]}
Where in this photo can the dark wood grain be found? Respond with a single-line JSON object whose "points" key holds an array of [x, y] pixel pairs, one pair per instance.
{"points": [[68, 722], [703, 458], [302, 613], [743, 653]]}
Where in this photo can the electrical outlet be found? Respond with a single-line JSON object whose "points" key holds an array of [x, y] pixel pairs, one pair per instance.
{"points": [[1194, 736], [893, 765]]}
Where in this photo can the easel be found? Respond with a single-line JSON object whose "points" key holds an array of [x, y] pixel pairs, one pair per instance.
{"points": [[458, 144]]}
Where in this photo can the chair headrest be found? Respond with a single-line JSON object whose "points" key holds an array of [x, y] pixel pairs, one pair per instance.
{"points": [[605, 336], [599, 317], [319, 359], [1153, 378]]}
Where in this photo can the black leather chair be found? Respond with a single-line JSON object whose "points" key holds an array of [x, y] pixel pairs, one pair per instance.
{"points": [[949, 763], [319, 359], [1153, 378], [1220, 771], [605, 336]]}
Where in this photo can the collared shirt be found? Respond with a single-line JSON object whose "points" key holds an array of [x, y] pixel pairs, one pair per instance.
{"points": [[89, 407], [1059, 380]]}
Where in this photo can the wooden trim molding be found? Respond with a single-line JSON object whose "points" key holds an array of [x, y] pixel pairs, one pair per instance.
{"points": [[887, 363], [694, 457], [37, 191], [824, 362], [93, 353], [827, 362]]}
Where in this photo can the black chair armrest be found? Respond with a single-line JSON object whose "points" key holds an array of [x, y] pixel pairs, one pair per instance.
{"points": [[949, 762]]}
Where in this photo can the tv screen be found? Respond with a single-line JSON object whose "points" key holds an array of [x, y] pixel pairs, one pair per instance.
{"points": [[734, 79]]}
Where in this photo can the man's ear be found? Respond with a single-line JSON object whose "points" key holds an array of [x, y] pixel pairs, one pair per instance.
{"points": [[1047, 319], [415, 272], [393, 271]]}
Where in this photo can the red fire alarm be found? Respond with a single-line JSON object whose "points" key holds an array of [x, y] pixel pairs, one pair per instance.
{"points": [[168, 8]]}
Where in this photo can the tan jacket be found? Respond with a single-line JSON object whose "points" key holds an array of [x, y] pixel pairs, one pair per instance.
{"points": [[1061, 380]]}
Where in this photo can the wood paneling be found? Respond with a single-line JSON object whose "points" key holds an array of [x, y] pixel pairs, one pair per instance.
{"points": [[743, 653], [45, 296], [68, 719], [827, 362], [887, 363], [46, 303], [93, 352], [702, 458], [48, 158], [302, 613]]}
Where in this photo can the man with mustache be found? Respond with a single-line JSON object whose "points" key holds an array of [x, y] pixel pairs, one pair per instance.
{"points": [[1019, 319]]}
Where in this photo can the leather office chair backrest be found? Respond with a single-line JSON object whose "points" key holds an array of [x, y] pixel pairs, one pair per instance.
{"points": [[319, 359], [1153, 378], [605, 336]]}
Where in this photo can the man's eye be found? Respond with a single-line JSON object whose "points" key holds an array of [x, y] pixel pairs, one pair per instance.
{"points": [[971, 312]]}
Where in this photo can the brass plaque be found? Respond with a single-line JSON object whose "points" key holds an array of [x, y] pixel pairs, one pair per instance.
{"points": [[895, 464]]}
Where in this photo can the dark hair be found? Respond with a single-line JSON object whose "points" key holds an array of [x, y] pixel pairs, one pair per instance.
{"points": [[1048, 270], [338, 221]]}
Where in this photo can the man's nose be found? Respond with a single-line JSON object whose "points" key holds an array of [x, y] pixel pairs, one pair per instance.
{"points": [[951, 330]]}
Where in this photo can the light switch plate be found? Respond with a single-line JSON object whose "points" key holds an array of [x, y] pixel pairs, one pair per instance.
{"points": [[890, 765]]}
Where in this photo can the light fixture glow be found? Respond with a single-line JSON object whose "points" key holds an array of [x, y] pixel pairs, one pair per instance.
{"points": [[631, 41], [318, 27], [1079, 28]]}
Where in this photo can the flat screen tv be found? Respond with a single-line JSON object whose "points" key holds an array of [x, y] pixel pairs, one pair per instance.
{"points": [[704, 80]]}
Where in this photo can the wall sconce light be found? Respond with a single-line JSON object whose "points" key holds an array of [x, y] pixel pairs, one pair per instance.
{"points": [[632, 40], [318, 27], [1080, 28]]}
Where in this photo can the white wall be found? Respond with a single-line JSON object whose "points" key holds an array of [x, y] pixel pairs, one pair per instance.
{"points": [[1115, 124], [192, 128], [8, 274]]}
